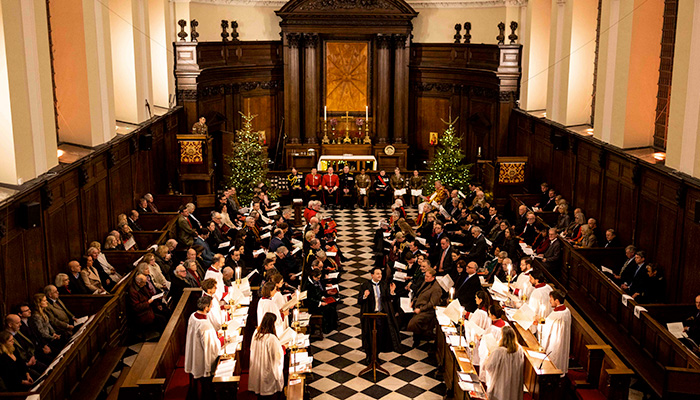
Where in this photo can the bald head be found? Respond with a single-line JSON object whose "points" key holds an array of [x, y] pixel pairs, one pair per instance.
{"points": [[140, 280], [51, 292], [74, 266], [12, 322], [228, 273]]}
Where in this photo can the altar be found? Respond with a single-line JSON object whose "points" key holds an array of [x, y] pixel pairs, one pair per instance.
{"points": [[356, 162]]}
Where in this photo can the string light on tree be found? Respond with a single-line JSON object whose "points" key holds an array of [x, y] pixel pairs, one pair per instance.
{"points": [[447, 164], [248, 162]]}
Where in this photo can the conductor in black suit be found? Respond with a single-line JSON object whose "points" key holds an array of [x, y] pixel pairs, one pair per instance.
{"points": [[479, 248], [376, 296], [466, 292]]}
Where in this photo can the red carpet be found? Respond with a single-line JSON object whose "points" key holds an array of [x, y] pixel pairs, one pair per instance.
{"points": [[180, 382]]}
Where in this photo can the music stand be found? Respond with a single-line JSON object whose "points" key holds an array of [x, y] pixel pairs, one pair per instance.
{"points": [[373, 365]]}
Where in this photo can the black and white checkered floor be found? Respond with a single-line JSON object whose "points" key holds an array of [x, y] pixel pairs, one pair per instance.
{"points": [[337, 358]]}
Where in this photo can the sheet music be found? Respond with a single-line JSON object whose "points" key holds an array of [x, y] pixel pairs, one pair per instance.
{"points": [[400, 276], [445, 282], [416, 192], [405, 303], [677, 329], [524, 316], [452, 311], [400, 266], [130, 243], [224, 244]]}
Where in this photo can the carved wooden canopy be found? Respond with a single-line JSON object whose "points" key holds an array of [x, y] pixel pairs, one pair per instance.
{"points": [[346, 13]]}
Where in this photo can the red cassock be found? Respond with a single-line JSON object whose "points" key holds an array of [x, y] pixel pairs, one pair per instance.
{"points": [[312, 181]]}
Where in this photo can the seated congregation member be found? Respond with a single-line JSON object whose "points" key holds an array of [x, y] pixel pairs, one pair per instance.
{"points": [[202, 347], [541, 243], [477, 253], [196, 225], [157, 276], [587, 239], [552, 256], [466, 290], [316, 301], [415, 183], [295, 181], [504, 368], [142, 206], [266, 375], [625, 270], [363, 185], [149, 313], [277, 239], [381, 189], [132, 221], [312, 183], [24, 312], [445, 265], [216, 237], [59, 316], [636, 279], [563, 220], [492, 267], [151, 205], [573, 232], [556, 332], [107, 273], [185, 231], [76, 285], [40, 324], [127, 237], [551, 201], [25, 347], [267, 304], [347, 188], [180, 282], [192, 264], [201, 240], [63, 283], [692, 323], [112, 243], [506, 267], [436, 199], [164, 260], [13, 370], [529, 232], [654, 287], [425, 299], [397, 182], [611, 239], [234, 261], [90, 277], [376, 296], [511, 244]]}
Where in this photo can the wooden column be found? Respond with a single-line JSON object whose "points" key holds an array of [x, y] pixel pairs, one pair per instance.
{"points": [[291, 86], [383, 87], [400, 89], [311, 77]]}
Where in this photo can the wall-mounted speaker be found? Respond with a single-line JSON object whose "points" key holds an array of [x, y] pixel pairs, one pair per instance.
{"points": [[29, 215], [145, 141], [559, 141]]}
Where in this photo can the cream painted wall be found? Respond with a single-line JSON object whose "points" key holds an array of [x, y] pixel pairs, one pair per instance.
{"points": [[535, 40], [436, 25], [123, 62], [8, 168], [254, 23], [162, 34], [580, 68]]}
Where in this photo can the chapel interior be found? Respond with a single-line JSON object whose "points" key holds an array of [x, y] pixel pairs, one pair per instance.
{"points": [[101, 103]]}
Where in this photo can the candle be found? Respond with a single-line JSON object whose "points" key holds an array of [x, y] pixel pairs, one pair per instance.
{"points": [[238, 274], [296, 315], [478, 153], [366, 112], [325, 115], [452, 293]]}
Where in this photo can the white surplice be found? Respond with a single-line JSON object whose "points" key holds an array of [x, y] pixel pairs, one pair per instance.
{"points": [[280, 300], [504, 374], [216, 315], [202, 346], [556, 337], [269, 306], [483, 350], [266, 365], [523, 285], [482, 320], [539, 303], [219, 278]]}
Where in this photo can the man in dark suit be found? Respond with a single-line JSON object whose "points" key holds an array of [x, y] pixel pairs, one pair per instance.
{"points": [[611, 239], [529, 232], [185, 231], [627, 272], [201, 239], [179, 282], [131, 220], [639, 275], [552, 256], [491, 220], [376, 296], [692, 324], [143, 206], [521, 219], [444, 265], [433, 242], [551, 202], [593, 226], [76, 283], [24, 345], [479, 248], [316, 301], [466, 292], [277, 240]]}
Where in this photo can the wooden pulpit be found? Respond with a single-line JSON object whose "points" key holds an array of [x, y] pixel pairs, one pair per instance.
{"points": [[196, 173]]}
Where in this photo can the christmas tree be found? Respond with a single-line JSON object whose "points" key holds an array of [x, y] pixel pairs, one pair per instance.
{"points": [[447, 164], [248, 163]]}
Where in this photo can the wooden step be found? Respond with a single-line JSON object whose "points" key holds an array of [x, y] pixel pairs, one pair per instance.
{"points": [[114, 392], [96, 377]]}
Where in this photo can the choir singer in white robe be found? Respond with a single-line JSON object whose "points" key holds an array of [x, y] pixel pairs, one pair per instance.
{"points": [[266, 304], [218, 314], [481, 318], [556, 332], [266, 377], [539, 299], [202, 346], [504, 369]]}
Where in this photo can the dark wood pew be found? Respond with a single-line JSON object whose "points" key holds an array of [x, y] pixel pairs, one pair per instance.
{"points": [[611, 257], [123, 261], [148, 377], [665, 313], [156, 221], [171, 202], [145, 239]]}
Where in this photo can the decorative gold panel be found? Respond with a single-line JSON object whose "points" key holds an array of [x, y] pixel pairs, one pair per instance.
{"points": [[191, 152], [347, 76], [511, 172]]}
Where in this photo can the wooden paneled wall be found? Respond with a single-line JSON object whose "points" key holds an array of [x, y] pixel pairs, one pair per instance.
{"points": [[80, 203], [649, 205]]}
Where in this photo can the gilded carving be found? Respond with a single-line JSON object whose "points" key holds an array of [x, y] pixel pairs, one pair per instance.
{"points": [[345, 5], [346, 76]]}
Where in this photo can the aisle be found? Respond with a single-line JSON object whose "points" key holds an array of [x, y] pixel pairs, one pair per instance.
{"points": [[337, 358]]}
